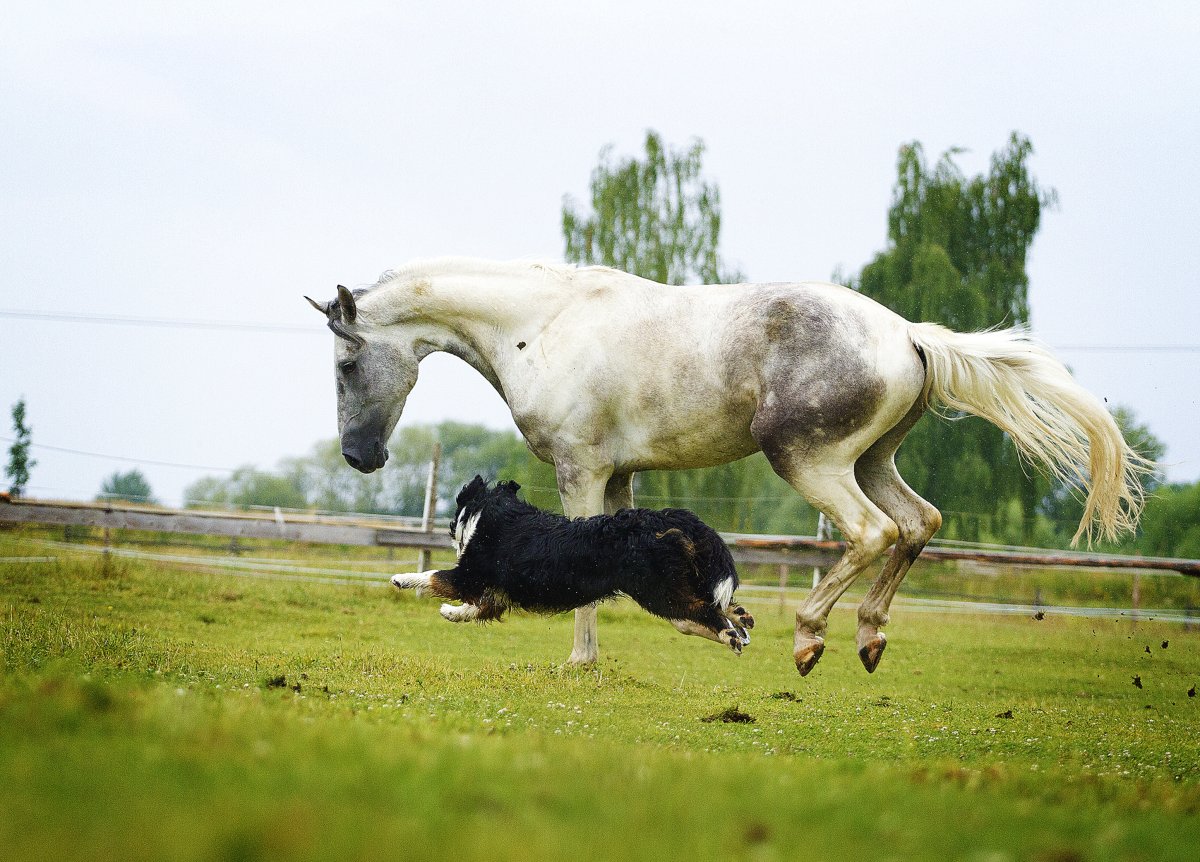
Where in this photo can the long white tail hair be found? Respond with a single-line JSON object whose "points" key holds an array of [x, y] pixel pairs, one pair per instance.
{"points": [[1005, 377]]}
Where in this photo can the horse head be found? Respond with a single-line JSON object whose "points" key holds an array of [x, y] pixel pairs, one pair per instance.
{"points": [[375, 369]]}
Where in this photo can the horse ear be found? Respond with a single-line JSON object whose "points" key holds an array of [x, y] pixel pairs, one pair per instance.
{"points": [[346, 303], [319, 306]]}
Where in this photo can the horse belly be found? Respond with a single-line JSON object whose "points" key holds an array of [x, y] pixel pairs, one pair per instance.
{"points": [[686, 422]]}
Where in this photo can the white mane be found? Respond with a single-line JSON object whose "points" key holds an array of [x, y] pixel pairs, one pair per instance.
{"points": [[430, 267]]}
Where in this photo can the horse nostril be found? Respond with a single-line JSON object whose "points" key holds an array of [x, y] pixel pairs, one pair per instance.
{"points": [[351, 460]]}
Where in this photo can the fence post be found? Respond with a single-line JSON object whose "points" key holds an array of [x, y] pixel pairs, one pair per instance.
{"points": [[430, 505], [783, 582]]}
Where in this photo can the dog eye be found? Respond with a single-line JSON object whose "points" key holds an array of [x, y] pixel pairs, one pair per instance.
{"points": [[348, 367]]}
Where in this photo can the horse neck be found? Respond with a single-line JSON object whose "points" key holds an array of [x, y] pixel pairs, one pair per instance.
{"points": [[476, 311]]}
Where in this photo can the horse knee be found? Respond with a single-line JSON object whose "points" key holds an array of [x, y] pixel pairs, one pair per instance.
{"points": [[874, 538]]}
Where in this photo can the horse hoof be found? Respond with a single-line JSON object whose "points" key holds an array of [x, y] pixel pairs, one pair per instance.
{"points": [[872, 651], [808, 654]]}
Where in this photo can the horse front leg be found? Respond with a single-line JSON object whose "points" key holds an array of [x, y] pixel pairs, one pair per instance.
{"points": [[587, 492]]}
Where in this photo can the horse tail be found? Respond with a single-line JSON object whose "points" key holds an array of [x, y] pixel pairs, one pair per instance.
{"points": [[1007, 378]]}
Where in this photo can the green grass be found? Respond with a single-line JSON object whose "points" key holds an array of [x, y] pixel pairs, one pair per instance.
{"points": [[137, 721]]}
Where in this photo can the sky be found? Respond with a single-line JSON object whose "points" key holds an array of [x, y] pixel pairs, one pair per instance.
{"points": [[216, 161]]}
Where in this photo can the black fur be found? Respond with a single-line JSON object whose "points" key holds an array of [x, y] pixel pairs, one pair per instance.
{"points": [[669, 561]]}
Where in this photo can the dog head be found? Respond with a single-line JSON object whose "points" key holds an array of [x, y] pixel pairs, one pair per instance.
{"points": [[470, 503]]}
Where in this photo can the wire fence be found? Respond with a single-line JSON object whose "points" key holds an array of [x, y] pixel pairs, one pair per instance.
{"points": [[377, 573]]}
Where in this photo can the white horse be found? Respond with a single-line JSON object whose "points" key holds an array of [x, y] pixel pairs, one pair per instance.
{"points": [[607, 374]]}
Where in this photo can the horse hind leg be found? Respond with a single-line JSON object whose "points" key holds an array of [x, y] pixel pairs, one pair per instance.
{"points": [[831, 487], [916, 520]]}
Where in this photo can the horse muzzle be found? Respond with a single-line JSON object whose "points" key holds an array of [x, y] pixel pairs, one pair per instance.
{"points": [[364, 452]]}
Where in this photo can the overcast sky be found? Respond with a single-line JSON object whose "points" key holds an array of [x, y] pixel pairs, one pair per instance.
{"points": [[215, 161]]}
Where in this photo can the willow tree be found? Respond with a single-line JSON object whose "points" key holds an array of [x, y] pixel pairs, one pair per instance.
{"points": [[654, 216], [957, 255]]}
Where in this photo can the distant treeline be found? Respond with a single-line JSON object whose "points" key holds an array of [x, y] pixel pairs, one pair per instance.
{"points": [[745, 496]]}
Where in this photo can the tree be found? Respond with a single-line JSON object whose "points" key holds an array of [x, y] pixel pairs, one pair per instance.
{"points": [[132, 486], [322, 479], [1062, 507], [19, 462], [655, 217], [957, 252], [1171, 522]]}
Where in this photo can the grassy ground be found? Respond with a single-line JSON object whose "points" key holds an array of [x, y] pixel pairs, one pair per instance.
{"points": [[149, 712]]}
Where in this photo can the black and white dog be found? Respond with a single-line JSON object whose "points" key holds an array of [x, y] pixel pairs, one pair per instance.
{"points": [[512, 554]]}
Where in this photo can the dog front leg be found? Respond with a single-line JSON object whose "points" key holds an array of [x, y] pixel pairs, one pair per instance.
{"points": [[460, 613], [417, 581]]}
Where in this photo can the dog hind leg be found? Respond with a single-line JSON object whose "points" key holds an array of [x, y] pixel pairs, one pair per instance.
{"points": [[722, 598], [741, 619], [707, 622]]}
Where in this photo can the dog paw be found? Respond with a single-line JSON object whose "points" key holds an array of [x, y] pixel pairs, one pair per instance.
{"points": [[417, 582], [734, 638]]}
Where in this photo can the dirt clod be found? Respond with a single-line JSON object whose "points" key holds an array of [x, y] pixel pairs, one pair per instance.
{"points": [[731, 715]]}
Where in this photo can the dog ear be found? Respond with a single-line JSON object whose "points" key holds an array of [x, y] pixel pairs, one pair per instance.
{"points": [[471, 490], [510, 488]]}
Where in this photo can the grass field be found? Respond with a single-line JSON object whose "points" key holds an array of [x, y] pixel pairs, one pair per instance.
{"points": [[148, 711]]}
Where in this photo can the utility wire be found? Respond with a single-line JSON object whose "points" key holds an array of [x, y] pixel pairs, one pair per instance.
{"points": [[1130, 348], [122, 457], [249, 326], [166, 322]]}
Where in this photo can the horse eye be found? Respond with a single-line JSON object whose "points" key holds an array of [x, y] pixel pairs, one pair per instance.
{"points": [[348, 367]]}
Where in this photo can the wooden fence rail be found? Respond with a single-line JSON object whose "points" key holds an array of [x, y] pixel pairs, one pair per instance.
{"points": [[784, 551]]}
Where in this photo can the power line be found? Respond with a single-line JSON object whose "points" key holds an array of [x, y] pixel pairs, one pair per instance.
{"points": [[1130, 348], [164, 322], [250, 326], [122, 457]]}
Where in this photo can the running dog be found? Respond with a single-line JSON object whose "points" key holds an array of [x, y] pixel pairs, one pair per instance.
{"points": [[514, 555]]}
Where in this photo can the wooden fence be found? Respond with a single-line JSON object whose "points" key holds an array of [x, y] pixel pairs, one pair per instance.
{"points": [[783, 551]]}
